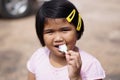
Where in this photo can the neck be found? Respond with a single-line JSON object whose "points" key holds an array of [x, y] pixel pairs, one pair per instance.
{"points": [[57, 61]]}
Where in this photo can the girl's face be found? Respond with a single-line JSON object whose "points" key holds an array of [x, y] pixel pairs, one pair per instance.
{"points": [[58, 32]]}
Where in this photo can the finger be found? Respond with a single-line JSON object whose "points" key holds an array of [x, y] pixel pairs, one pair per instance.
{"points": [[74, 61], [75, 56], [67, 57]]}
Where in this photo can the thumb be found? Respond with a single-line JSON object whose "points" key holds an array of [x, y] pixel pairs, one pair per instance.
{"points": [[67, 55]]}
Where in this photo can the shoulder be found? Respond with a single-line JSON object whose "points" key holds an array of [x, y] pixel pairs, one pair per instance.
{"points": [[91, 67], [38, 56], [40, 52], [88, 59], [85, 56]]}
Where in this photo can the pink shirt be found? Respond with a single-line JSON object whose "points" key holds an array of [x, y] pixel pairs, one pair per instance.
{"points": [[39, 65]]}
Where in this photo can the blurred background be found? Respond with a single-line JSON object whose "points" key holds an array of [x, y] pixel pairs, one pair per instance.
{"points": [[18, 38]]}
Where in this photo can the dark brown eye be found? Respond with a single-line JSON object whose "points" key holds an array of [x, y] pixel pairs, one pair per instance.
{"points": [[49, 31]]}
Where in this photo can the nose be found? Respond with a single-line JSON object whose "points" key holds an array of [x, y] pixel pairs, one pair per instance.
{"points": [[58, 38]]}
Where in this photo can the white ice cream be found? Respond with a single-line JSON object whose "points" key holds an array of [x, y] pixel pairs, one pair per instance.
{"points": [[63, 48]]}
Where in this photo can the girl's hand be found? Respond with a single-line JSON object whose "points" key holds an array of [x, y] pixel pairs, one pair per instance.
{"points": [[74, 65]]}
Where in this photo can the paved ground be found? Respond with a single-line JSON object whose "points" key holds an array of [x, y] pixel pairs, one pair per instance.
{"points": [[101, 38]]}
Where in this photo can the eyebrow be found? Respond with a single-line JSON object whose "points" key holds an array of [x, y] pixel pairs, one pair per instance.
{"points": [[47, 30], [64, 27], [67, 27]]}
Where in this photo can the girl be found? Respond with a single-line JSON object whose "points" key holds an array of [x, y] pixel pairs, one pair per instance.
{"points": [[58, 22]]}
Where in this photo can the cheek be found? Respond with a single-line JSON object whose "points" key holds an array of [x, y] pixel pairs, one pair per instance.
{"points": [[71, 39], [47, 40]]}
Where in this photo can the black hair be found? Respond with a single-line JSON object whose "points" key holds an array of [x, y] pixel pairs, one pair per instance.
{"points": [[56, 9]]}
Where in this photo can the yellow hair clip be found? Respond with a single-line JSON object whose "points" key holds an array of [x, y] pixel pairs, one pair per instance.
{"points": [[79, 23], [71, 16]]}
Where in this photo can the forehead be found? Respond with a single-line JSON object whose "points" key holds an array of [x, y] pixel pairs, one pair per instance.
{"points": [[56, 22]]}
